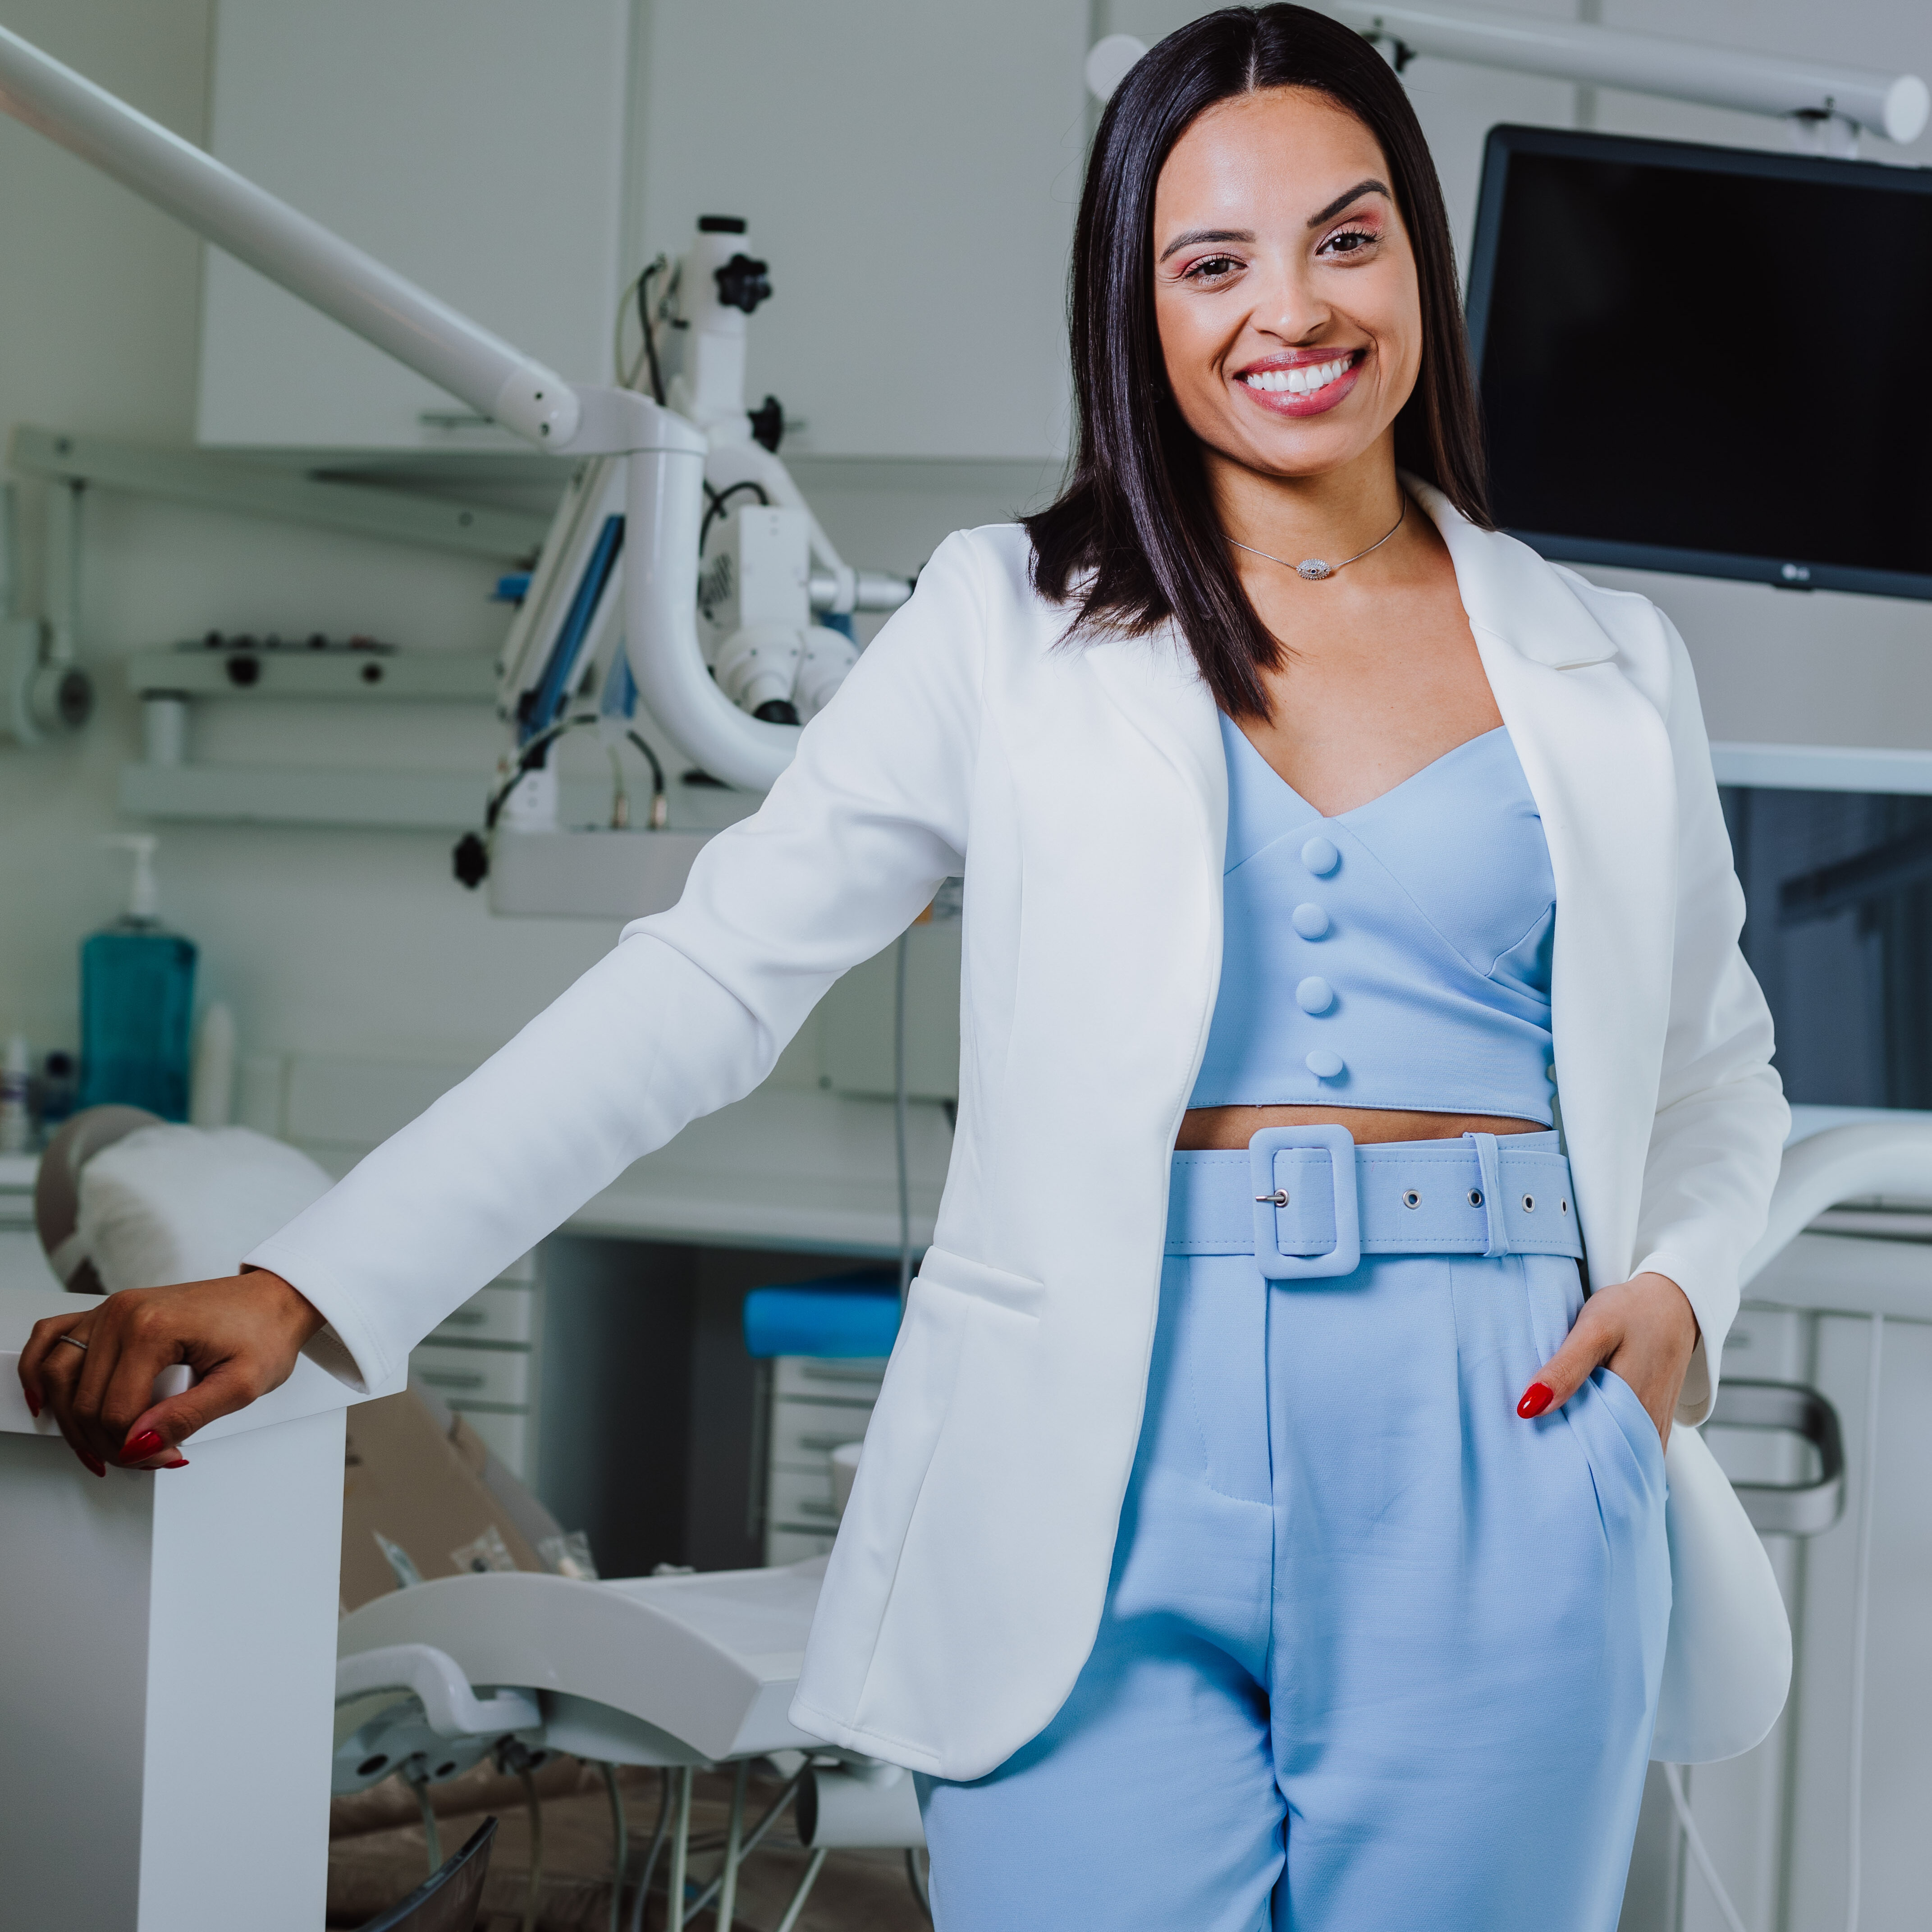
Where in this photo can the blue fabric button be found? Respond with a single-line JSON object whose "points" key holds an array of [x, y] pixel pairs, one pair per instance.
{"points": [[1320, 856], [1310, 921], [1315, 995], [1324, 1065]]}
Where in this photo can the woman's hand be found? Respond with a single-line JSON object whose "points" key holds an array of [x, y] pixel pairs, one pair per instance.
{"points": [[1643, 1330], [240, 1336]]}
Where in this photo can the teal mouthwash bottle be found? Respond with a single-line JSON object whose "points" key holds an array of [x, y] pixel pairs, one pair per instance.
{"points": [[136, 1002]]}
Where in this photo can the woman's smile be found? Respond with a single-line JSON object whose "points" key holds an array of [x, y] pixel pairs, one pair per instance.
{"points": [[1301, 382]]}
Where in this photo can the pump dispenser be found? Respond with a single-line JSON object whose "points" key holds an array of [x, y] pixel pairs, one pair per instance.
{"points": [[137, 1001]]}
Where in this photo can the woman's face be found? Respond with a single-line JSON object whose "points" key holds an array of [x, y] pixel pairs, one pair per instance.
{"points": [[1285, 287]]}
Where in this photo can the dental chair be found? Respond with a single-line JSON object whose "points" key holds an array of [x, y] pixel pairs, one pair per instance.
{"points": [[680, 1672]]}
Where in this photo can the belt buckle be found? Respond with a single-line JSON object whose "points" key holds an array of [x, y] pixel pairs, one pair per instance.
{"points": [[1345, 1256]]}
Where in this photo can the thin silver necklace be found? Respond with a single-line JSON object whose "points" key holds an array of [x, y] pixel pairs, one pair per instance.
{"points": [[1312, 568]]}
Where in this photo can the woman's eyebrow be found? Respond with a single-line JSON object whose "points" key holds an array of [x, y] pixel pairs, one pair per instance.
{"points": [[1341, 201], [1194, 234]]}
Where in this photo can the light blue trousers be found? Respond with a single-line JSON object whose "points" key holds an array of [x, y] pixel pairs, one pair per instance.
{"points": [[1376, 1653]]}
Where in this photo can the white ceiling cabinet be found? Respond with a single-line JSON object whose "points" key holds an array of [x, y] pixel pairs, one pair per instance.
{"points": [[908, 168], [476, 146]]}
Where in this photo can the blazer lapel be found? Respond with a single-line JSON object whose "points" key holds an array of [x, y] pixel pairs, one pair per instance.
{"points": [[1596, 757]]}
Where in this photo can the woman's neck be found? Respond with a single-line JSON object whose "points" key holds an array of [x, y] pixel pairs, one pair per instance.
{"points": [[1331, 515]]}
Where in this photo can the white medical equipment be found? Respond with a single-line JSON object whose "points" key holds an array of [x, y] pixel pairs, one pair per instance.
{"points": [[676, 1671], [659, 490], [1827, 105]]}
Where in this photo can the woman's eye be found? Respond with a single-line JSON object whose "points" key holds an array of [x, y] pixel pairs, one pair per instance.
{"points": [[1211, 268], [1349, 241]]}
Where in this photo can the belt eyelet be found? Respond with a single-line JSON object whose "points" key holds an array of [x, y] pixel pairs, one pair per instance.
{"points": [[1279, 1198], [1475, 1197], [1529, 1204], [1411, 1198]]}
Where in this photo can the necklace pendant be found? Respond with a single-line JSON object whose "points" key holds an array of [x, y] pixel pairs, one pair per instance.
{"points": [[1313, 568]]}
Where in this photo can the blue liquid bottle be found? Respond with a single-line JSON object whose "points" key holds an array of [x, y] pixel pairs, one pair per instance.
{"points": [[137, 1003]]}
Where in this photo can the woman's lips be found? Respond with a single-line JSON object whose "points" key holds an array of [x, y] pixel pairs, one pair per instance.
{"points": [[1304, 388]]}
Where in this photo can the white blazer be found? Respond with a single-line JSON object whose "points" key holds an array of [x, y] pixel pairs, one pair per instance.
{"points": [[1082, 792]]}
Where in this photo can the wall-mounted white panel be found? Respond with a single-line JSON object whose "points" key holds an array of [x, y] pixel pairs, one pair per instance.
{"points": [[478, 146], [910, 173]]}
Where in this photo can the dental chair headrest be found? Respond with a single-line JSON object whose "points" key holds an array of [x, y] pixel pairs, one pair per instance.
{"points": [[124, 1200]]}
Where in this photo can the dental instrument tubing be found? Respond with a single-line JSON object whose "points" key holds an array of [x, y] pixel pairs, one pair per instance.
{"points": [[290, 248]]}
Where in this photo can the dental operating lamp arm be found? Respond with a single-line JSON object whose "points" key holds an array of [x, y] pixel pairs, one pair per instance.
{"points": [[1841, 1164], [665, 486], [1891, 104]]}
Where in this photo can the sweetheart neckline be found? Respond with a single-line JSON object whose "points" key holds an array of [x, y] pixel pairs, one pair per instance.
{"points": [[1342, 817]]}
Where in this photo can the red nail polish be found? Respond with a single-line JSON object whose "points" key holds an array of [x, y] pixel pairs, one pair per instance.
{"points": [[94, 1463], [140, 1447], [33, 1403], [179, 1462], [1536, 1399]]}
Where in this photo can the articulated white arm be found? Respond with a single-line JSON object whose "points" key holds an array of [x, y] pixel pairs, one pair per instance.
{"points": [[428, 336], [287, 246], [1893, 105], [1843, 1164], [451, 1707]]}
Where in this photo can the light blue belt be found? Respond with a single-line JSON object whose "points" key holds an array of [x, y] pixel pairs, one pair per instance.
{"points": [[1307, 1201]]}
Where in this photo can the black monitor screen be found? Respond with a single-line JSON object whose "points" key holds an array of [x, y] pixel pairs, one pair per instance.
{"points": [[1838, 929], [1708, 360]]}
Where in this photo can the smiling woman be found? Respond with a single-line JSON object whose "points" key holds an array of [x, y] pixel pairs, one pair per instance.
{"points": [[1197, 187], [1257, 1525]]}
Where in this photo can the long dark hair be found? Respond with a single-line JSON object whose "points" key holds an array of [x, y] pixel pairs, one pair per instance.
{"points": [[1133, 540]]}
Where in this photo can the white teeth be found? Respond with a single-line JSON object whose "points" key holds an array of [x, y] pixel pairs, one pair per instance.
{"points": [[1301, 381]]}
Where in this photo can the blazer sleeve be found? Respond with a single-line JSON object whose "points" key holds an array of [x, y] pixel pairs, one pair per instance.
{"points": [[687, 1014], [1721, 1117]]}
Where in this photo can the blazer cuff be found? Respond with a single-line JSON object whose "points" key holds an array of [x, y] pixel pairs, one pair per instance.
{"points": [[1714, 1312], [348, 1346]]}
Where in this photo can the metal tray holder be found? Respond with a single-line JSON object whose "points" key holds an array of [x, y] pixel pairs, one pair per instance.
{"points": [[1788, 1509]]}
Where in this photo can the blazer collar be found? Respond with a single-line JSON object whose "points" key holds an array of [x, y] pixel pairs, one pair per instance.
{"points": [[1511, 592], [1512, 596]]}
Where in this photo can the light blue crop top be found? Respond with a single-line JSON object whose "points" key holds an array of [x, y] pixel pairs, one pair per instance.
{"points": [[1395, 955]]}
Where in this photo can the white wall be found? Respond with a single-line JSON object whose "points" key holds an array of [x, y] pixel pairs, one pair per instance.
{"points": [[356, 943]]}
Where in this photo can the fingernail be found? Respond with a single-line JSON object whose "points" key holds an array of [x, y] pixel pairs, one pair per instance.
{"points": [[94, 1463], [139, 1448], [33, 1404], [179, 1462], [1536, 1399]]}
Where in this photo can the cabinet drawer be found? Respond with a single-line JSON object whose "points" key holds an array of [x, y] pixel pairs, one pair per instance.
{"points": [[498, 1314], [508, 1437], [794, 1546], [802, 1498], [828, 1379], [476, 1374], [804, 1433]]}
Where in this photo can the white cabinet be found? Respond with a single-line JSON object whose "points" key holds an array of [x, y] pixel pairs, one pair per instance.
{"points": [[910, 173], [482, 1360], [817, 1403], [477, 146]]}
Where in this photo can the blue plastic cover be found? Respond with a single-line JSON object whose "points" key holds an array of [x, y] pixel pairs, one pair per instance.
{"points": [[841, 1315]]}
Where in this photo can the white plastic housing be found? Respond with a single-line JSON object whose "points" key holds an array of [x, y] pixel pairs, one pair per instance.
{"points": [[759, 664], [709, 385], [838, 1810], [828, 654]]}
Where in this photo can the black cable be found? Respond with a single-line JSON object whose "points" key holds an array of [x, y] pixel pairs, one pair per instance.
{"points": [[650, 331], [717, 500]]}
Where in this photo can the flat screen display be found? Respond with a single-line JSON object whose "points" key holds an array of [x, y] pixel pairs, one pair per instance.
{"points": [[1708, 360], [1838, 929]]}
